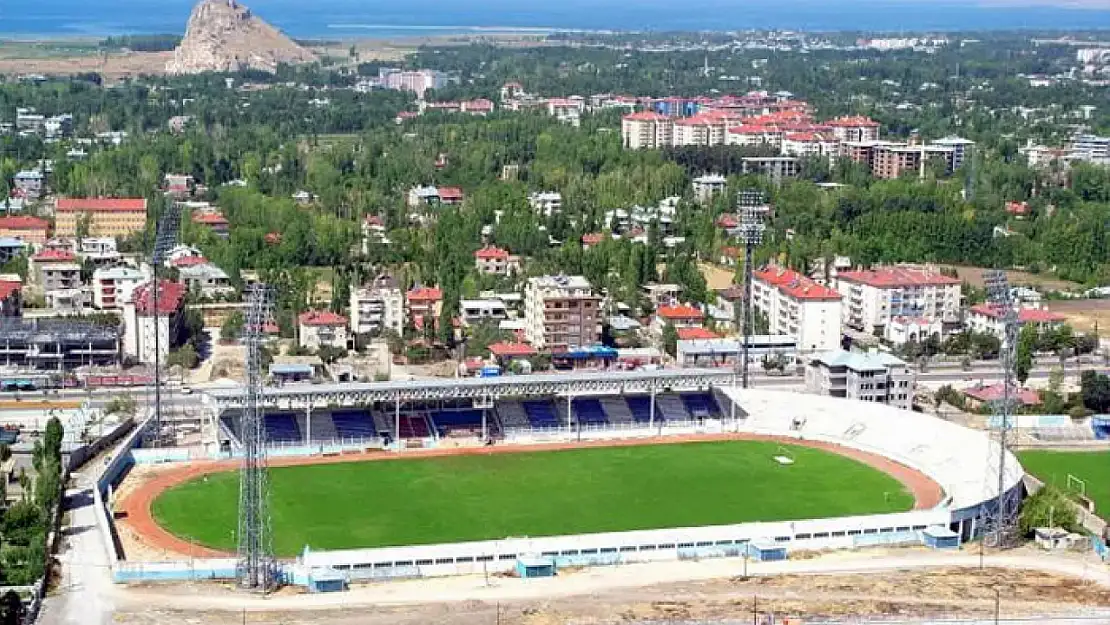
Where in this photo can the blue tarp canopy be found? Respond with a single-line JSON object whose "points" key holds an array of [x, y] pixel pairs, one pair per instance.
{"points": [[291, 369], [583, 353]]}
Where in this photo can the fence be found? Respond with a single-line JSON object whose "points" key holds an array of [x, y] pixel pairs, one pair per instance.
{"points": [[183, 571]]}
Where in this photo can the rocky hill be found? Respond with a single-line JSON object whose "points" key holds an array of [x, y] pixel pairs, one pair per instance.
{"points": [[224, 36]]}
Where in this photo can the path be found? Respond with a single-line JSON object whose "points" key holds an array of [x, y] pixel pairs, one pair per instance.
{"points": [[139, 518], [84, 596]]}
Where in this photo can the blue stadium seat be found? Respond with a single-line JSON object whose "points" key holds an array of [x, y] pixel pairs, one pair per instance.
{"points": [[700, 405], [282, 428], [469, 420], [354, 424], [640, 406], [541, 414], [1101, 428], [589, 411]]}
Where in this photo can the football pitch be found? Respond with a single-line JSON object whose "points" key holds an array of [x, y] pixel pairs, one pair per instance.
{"points": [[1092, 467], [481, 497]]}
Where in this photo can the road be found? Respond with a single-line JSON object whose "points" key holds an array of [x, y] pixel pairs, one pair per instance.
{"points": [[85, 595]]}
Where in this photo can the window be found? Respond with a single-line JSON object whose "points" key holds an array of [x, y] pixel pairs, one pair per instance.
{"points": [[569, 552], [423, 562], [506, 556], [804, 536], [464, 559], [484, 558], [627, 549]]}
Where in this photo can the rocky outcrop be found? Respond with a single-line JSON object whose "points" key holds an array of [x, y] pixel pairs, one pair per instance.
{"points": [[224, 36]]}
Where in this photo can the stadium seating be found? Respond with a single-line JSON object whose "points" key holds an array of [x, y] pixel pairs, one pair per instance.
{"points": [[1101, 429], [230, 423], [672, 408], [414, 426], [512, 415], [353, 424], [588, 411], [282, 428], [462, 421], [701, 405], [541, 414], [323, 428], [616, 409], [640, 407], [383, 421]]}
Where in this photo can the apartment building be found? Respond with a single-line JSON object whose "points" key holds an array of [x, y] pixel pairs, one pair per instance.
{"points": [[876, 296], [11, 297], [798, 307], [475, 311], [418, 81], [54, 270], [214, 221], [29, 184], [990, 319], [496, 261], [561, 312], [322, 328], [378, 306], [31, 230], [113, 286], [817, 144], [703, 130], [874, 377], [10, 248], [423, 302], [57, 344], [205, 279], [708, 186], [856, 128], [647, 131], [547, 203], [110, 217], [892, 161], [752, 135], [140, 325], [961, 149]]}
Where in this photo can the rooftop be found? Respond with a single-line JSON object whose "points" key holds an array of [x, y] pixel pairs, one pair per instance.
{"points": [[23, 222], [795, 284], [503, 349], [1024, 315], [322, 318], [424, 294], [210, 219], [679, 312], [891, 277], [491, 252], [8, 288], [645, 116], [100, 205], [52, 256], [995, 392], [171, 295], [856, 121], [560, 282], [696, 334], [858, 361]]}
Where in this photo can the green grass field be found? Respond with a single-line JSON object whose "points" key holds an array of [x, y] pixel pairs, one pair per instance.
{"points": [[435, 500], [1093, 467]]}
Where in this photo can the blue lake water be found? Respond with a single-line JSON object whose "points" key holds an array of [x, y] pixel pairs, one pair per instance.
{"points": [[378, 18]]}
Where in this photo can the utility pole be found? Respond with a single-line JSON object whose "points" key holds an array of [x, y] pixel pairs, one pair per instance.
{"points": [[751, 206]]}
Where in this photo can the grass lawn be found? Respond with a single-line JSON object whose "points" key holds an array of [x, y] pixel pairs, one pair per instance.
{"points": [[1093, 467], [436, 500]]}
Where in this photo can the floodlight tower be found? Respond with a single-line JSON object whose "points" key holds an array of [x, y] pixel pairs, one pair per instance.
{"points": [[165, 238], [255, 568], [1000, 523], [751, 206]]}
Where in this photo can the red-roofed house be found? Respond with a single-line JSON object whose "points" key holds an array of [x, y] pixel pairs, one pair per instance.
{"points": [[680, 316], [797, 306], [139, 321], [495, 261], [214, 221], [989, 318], [1019, 210], [423, 302], [450, 195], [592, 239], [54, 270], [31, 230], [11, 298], [319, 328], [979, 395], [875, 296], [647, 131], [504, 352], [107, 217], [696, 334]]}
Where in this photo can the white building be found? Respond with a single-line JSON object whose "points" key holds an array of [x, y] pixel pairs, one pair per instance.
{"points": [[811, 144], [561, 312], [874, 377], [546, 203], [206, 279], [798, 307], [496, 261], [378, 306], [989, 318], [113, 286], [709, 185], [99, 250], [714, 353], [320, 328], [902, 330], [139, 321], [647, 131], [855, 129], [475, 311], [876, 296], [961, 149]]}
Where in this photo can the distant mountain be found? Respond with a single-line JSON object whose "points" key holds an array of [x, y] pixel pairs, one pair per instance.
{"points": [[224, 36]]}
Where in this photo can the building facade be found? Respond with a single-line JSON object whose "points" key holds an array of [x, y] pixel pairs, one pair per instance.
{"points": [[376, 307], [33, 231], [875, 296], [798, 307], [110, 217], [141, 323], [874, 377], [561, 312], [113, 286], [990, 319], [322, 329], [647, 131]]}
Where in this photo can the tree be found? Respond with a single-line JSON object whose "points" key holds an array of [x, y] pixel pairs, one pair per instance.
{"points": [[1095, 391], [670, 339], [232, 327], [5, 452], [1023, 355], [11, 609], [1048, 507], [122, 405], [330, 353], [184, 356]]}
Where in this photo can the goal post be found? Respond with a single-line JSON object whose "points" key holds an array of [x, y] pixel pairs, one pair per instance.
{"points": [[1076, 485]]}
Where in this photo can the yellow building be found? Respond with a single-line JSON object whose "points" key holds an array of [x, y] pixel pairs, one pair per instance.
{"points": [[107, 217]]}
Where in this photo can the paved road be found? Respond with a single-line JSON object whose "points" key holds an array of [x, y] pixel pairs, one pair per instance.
{"points": [[85, 595]]}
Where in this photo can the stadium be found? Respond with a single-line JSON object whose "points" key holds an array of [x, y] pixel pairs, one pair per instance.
{"points": [[446, 477]]}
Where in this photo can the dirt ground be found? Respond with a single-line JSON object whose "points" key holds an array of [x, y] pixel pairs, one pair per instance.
{"points": [[937, 593], [717, 277], [1084, 314], [974, 277]]}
